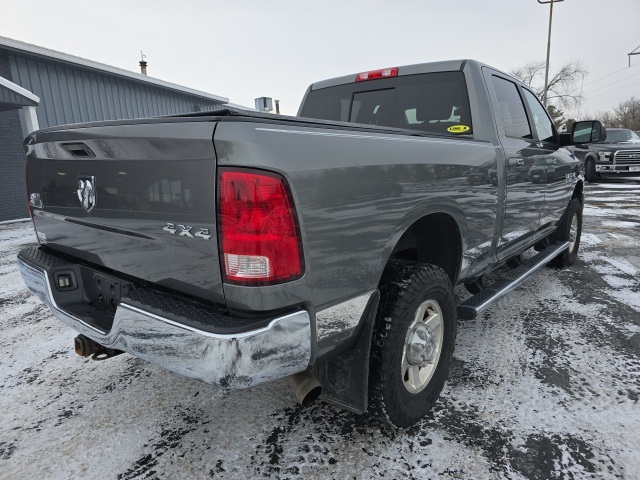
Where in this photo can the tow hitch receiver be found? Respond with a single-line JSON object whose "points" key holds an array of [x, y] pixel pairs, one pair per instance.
{"points": [[85, 347]]}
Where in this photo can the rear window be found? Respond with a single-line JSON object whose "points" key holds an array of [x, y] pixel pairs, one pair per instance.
{"points": [[432, 102]]}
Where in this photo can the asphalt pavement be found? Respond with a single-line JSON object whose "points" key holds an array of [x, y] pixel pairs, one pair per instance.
{"points": [[545, 384]]}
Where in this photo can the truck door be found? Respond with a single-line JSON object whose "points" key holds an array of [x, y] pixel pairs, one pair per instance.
{"points": [[562, 167], [524, 198]]}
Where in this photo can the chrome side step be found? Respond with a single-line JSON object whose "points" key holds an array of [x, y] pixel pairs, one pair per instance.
{"points": [[473, 306]]}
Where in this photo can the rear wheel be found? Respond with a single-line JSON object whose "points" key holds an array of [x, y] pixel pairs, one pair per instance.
{"points": [[414, 338], [570, 230]]}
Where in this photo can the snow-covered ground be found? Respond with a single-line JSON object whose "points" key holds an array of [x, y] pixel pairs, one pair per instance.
{"points": [[544, 385]]}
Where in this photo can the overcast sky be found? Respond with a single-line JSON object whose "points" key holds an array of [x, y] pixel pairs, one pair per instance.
{"points": [[247, 49]]}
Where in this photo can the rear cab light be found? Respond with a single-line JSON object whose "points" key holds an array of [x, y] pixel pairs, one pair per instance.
{"points": [[258, 230], [376, 74]]}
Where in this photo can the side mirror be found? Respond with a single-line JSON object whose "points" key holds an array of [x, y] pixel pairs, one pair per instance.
{"points": [[588, 132]]}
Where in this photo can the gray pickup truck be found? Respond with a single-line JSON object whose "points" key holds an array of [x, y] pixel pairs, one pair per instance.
{"points": [[239, 248]]}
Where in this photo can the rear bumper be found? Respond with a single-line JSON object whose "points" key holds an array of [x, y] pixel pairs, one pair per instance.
{"points": [[235, 360]]}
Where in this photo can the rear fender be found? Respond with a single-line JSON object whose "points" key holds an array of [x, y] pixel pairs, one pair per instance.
{"points": [[426, 208]]}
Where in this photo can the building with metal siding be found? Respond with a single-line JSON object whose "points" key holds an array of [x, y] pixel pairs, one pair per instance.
{"points": [[75, 90], [73, 95]]}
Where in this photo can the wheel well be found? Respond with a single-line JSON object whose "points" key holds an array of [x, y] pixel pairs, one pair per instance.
{"points": [[578, 192], [434, 239]]}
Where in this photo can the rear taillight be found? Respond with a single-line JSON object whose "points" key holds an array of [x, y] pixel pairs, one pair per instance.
{"points": [[384, 73], [258, 232]]}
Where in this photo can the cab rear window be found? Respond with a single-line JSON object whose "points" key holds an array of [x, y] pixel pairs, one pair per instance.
{"points": [[432, 102]]}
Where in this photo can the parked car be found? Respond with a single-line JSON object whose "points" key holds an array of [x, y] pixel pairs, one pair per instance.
{"points": [[211, 244], [618, 156]]}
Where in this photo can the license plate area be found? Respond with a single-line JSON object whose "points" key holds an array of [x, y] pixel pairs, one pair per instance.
{"points": [[104, 291], [634, 169]]}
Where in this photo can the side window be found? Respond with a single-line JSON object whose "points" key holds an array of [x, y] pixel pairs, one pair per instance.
{"points": [[511, 109], [541, 119], [433, 102]]}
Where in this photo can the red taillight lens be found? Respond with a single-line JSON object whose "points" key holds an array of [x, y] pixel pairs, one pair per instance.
{"points": [[258, 230], [384, 73]]}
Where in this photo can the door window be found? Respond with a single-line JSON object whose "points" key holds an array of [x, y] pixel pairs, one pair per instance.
{"points": [[511, 110], [544, 125]]}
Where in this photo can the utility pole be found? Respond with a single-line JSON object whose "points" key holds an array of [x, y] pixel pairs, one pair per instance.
{"points": [[634, 52], [546, 71]]}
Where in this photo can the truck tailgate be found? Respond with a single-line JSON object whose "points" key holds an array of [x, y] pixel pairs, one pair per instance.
{"points": [[135, 198]]}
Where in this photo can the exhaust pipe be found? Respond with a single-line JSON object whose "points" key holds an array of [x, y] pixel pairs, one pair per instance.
{"points": [[306, 387], [85, 347]]}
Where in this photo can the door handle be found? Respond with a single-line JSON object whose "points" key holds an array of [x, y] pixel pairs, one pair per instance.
{"points": [[516, 162]]}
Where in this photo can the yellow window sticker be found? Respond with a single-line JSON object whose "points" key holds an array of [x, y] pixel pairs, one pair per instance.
{"points": [[458, 129]]}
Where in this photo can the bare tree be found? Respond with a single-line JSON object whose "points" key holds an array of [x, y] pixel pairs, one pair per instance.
{"points": [[625, 115], [563, 89]]}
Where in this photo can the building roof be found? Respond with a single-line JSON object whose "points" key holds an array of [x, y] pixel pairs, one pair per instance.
{"points": [[13, 96], [17, 45]]}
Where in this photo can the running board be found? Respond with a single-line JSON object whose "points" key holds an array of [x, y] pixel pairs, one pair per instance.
{"points": [[473, 306]]}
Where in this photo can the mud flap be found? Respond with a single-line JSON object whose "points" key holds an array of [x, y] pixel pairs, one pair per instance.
{"points": [[345, 378]]}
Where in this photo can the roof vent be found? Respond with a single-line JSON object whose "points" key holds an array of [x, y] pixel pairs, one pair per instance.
{"points": [[143, 63]]}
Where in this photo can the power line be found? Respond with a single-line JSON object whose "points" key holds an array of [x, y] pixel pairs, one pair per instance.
{"points": [[604, 66], [606, 76], [612, 83], [611, 63], [633, 52], [615, 90], [615, 48]]}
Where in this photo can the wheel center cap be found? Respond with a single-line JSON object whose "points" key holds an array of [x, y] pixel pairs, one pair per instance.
{"points": [[422, 346]]}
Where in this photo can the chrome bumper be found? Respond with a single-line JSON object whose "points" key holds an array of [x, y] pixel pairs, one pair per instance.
{"points": [[241, 360]]}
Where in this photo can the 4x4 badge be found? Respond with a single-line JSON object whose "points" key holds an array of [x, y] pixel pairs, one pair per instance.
{"points": [[87, 191], [185, 231]]}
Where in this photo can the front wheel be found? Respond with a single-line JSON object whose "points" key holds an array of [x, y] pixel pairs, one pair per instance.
{"points": [[570, 230], [414, 337], [590, 174]]}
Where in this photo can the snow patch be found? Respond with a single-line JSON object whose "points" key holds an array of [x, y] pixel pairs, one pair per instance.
{"points": [[589, 239], [621, 265], [617, 282]]}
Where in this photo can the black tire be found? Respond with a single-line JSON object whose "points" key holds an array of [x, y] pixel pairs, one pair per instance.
{"points": [[590, 174], [570, 230], [406, 289]]}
